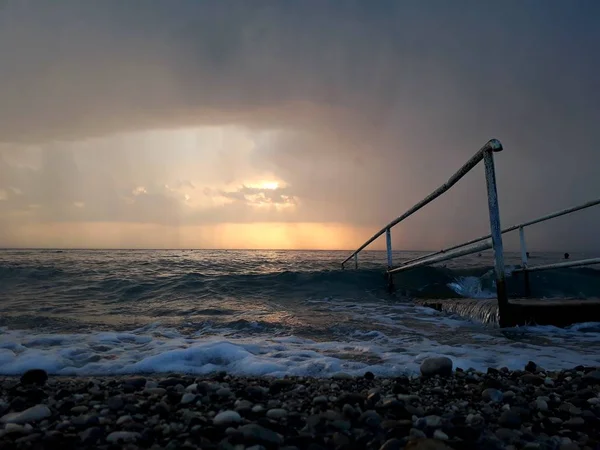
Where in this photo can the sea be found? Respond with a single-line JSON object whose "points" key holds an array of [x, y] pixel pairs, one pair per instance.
{"points": [[269, 313]]}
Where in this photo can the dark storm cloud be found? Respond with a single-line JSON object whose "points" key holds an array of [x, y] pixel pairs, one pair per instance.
{"points": [[380, 101]]}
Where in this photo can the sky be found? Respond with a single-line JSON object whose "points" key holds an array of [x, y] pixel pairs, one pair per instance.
{"points": [[294, 124]]}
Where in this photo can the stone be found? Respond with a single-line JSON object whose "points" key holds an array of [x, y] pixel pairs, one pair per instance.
{"points": [[392, 444], [415, 433], [369, 376], [492, 395], [91, 435], [13, 428], [277, 413], [574, 422], [530, 378], [122, 436], [351, 399], [188, 397], [256, 434], [192, 388], [436, 366], [320, 400], [433, 421], [427, 444], [33, 414], [509, 419], [370, 418], [541, 405], [440, 435], [81, 409], [115, 403], [475, 420], [136, 382], [341, 376], [124, 419], [531, 367], [156, 391], [226, 418], [507, 435], [34, 376]]}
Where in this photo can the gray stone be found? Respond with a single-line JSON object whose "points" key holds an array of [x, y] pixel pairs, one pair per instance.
{"points": [[436, 366], [392, 444], [79, 409], [509, 419], [574, 422], [319, 400], [256, 434], [433, 422], [115, 403], [415, 433], [156, 391], [492, 395], [227, 418], [370, 418], [122, 436], [277, 413], [440, 435], [541, 404], [33, 414], [91, 435], [188, 397], [507, 435]]}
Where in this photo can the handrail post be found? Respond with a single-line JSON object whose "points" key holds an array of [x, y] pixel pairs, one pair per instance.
{"points": [[496, 232], [524, 261], [388, 245], [356, 260], [523, 247]]}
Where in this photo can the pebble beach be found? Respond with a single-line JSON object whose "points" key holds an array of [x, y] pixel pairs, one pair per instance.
{"points": [[442, 408]]}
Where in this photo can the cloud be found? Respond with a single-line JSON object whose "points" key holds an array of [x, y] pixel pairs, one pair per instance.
{"points": [[360, 108]]}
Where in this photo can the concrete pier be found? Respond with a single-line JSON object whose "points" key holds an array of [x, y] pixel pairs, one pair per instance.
{"points": [[557, 312]]}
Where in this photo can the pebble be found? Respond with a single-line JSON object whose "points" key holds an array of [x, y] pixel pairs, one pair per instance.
{"points": [[227, 418], [156, 391], [509, 419], [79, 409], [320, 399], [574, 422], [187, 398], [342, 376], [436, 366], [439, 434], [33, 414], [124, 419], [467, 409], [122, 436], [34, 376], [256, 434], [492, 395], [277, 413], [542, 405], [392, 444], [433, 421], [115, 403]]}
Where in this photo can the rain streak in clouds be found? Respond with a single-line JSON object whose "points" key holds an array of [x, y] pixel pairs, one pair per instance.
{"points": [[292, 124]]}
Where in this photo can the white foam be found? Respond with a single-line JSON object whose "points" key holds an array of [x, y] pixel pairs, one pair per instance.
{"points": [[389, 351], [470, 287]]}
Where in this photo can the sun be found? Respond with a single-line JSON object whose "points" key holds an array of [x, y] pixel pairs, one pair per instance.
{"points": [[265, 184]]}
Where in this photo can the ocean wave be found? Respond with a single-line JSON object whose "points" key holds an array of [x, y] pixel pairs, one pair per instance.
{"points": [[423, 282]]}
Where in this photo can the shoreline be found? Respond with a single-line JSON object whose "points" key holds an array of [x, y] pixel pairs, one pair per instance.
{"points": [[444, 408]]}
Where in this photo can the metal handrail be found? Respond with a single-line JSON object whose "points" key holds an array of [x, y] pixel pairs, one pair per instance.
{"points": [[509, 229], [447, 256], [492, 145], [561, 265]]}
